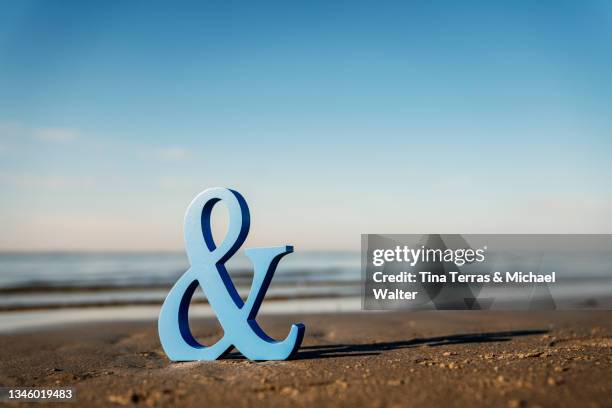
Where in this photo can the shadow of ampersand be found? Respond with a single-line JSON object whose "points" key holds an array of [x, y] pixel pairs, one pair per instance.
{"points": [[372, 349]]}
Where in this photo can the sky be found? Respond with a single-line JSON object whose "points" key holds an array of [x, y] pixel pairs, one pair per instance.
{"points": [[332, 119]]}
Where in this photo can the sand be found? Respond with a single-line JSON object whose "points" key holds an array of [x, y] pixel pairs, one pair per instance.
{"points": [[439, 359]]}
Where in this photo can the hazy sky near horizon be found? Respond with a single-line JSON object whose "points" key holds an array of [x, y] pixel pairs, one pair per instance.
{"points": [[332, 118]]}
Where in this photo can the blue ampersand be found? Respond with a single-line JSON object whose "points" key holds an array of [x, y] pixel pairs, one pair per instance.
{"points": [[208, 270]]}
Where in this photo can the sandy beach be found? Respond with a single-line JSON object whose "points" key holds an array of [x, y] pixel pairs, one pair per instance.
{"points": [[354, 359]]}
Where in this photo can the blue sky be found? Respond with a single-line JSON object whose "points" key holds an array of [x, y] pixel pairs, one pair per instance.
{"points": [[332, 118]]}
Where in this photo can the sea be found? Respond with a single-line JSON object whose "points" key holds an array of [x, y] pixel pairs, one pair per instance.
{"points": [[41, 288], [45, 280]]}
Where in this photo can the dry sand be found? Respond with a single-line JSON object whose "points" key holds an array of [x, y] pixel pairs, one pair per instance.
{"points": [[364, 359]]}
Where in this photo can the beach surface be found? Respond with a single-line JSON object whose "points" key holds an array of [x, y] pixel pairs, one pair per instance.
{"points": [[395, 359]]}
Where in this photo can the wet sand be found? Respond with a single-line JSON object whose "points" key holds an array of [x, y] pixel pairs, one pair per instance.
{"points": [[426, 359]]}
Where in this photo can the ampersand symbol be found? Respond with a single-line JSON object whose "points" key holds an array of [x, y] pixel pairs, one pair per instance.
{"points": [[237, 317]]}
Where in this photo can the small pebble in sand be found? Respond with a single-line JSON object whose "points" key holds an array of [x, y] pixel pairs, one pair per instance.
{"points": [[515, 403], [554, 381], [341, 384], [289, 391], [119, 399], [531, 354]]}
